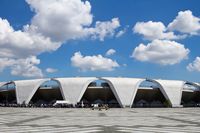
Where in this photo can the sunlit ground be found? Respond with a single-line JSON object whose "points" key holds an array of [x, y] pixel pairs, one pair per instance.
{"points": [[87, 120]]}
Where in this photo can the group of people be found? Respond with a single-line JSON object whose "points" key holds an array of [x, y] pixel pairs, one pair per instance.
{"points": [[99, 106], [43, 105]]}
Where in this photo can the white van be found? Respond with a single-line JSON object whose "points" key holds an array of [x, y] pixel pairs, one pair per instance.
{"points": [[61, 103]]}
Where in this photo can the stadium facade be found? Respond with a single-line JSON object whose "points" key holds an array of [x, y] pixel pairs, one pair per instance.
{"points": [[116, 91]]}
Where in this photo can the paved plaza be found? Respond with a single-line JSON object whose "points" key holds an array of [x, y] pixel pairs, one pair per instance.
{"points": [[59, 120]]}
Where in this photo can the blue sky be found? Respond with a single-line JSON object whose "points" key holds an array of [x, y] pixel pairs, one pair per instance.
{"points": [[93, 41]]}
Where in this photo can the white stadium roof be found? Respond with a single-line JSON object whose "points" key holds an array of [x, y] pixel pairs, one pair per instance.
{"points": [[124, 89]]}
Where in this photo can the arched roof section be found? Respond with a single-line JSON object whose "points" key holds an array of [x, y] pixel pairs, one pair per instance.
{"points": [[74, 88], [150, 80], [3, 83], [25, 89], [193, 84], [173, 89], [6, 83], [160, 87], [125, 88]]}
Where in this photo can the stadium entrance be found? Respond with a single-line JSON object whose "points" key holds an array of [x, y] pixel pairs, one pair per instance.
{"points": [[47, 94], [99, 92], [149, 95], [190, 95], [8, 94]]}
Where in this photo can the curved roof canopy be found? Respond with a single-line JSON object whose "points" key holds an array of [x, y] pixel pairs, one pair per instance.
{"points": [[173, 89], [74, 88], [124, 89], [25, 89]]}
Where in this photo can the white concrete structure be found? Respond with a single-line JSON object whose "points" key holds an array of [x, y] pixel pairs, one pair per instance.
{"points": [[25, 89], [74, 88], [124, 89], [163, 91], [173, 89]]}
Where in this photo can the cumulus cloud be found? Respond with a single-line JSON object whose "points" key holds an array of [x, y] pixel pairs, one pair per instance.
{"points": [[104, 29], [19, 44], [51, 70], [185, 22], [121, 32], [162, 52], [22, 67], [54, 22], [93, 63], [195, 65], [27, 67], [5, 62], [63, 20], [110, 52], [154, 30], [16, 46]]}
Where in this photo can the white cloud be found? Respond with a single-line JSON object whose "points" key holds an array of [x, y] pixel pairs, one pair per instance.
{"points": [[162, 52], [93, 63], [51, 70], [110, 52], [22, 67], [20, 44], [185, 22], [16, 46], [122, 32], [5, 62], [54, 22], [154, 30], [104, 29], [195, 65], [27, 67], [63, 20]]}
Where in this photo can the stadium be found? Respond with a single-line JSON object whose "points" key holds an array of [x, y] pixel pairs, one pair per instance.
{"points": [[116, 92]]}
